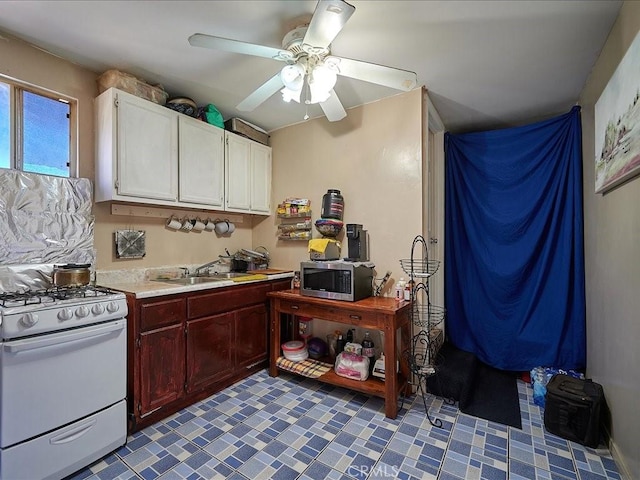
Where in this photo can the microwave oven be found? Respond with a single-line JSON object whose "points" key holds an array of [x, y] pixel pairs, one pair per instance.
{"points": [[336, 280]]}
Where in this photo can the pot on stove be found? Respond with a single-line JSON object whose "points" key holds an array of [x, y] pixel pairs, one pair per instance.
{"points": [[71, 275]]}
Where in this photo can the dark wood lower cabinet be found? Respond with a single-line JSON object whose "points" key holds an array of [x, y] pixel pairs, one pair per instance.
{"points": [[210, 350], [185, 347], [251, 344], [163, 384]]}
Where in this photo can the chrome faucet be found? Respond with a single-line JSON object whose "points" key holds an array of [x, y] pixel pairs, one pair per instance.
{"points": [[206, 265]]}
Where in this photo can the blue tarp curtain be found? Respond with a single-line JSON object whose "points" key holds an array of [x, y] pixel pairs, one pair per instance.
{"points": [[514, 263]]}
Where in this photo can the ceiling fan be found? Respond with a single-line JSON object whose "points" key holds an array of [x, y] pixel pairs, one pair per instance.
{"points": [[311, 71]]}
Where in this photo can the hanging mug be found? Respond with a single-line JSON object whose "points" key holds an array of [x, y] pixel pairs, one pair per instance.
{"points": [[198, 225], [222, 227], [232, 227], [209, 225], [187, 226], [174, 223]]}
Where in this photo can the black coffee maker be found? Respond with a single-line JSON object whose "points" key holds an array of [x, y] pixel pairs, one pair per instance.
{"points": [[358, 250]]}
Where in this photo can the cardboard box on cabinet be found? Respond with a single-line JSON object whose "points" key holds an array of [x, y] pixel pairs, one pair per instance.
{"points": [[133, 85]]}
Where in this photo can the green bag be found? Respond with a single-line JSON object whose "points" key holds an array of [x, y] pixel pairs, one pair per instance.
{"points": [[211, 115]]}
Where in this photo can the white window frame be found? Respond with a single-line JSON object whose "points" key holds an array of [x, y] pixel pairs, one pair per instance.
{"points": [[16, 112]]}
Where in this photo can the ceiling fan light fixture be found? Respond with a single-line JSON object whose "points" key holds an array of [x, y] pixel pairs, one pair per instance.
{"points": [[321, 80], [293, 76], [288, 95]]}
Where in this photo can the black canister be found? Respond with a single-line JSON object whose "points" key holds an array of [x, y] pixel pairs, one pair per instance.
{"points": [[332, 204]]}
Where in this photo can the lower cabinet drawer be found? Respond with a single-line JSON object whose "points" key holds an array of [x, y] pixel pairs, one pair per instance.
{"points": [[226, 299], [335, 314], [161, 313]]}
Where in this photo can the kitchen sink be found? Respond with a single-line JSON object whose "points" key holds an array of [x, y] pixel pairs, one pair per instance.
{"points": [[228, 275], [191, 280], [198, 279]]}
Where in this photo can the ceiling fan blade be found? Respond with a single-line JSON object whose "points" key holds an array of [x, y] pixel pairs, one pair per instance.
{"points": [[328, 19], [263, 92], [235, 46], [332, 108], [371, 72]]}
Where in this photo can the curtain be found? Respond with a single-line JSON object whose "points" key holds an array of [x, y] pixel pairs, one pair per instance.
{"points": [[514, 262]]}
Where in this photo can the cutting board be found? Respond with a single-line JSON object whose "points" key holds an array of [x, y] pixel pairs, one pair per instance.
{"points": [[269, 271], [249, 278]]}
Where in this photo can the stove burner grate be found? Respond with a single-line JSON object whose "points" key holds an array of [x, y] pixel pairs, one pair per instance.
{"points": [[50, 295]]}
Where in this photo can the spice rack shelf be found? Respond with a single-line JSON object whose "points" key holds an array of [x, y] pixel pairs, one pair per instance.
{"points": [[295, 226], [295, 215], [426, 319]]}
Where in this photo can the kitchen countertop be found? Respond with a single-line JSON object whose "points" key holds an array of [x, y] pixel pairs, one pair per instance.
{"points": [[155, 288]]}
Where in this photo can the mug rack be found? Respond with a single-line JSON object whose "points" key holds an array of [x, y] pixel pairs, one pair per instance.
{"points": [[154, 212]]}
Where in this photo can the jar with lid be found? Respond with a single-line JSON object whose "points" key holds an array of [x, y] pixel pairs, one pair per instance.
{"points": [[332, 205]]}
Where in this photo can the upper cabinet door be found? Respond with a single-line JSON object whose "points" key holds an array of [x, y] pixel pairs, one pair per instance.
{"points": [[260, 178], [147, 149], [201, 163], [238, 173]]}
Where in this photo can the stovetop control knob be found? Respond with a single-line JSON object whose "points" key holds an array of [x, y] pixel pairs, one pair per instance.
{"points": [[65, 314], [112, 307], [29, 319], [97, 309], [82, 311]]}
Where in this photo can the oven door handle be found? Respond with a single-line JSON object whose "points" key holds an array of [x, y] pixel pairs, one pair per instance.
{"points": [[73, 434], [65, 337]]}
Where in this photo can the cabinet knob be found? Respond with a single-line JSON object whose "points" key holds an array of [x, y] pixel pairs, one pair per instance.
{"points": [[295, 307], [355, 317]]}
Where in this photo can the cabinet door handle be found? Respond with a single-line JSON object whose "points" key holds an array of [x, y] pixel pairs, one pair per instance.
{"points": [[295, 307], [355, 317]]}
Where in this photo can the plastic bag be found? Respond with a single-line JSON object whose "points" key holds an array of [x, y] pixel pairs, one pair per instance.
{"points": [[352, 365], [540, 376], [211, 115]]}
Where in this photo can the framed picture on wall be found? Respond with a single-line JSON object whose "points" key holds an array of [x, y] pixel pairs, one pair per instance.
{"points": [[617, 124]]}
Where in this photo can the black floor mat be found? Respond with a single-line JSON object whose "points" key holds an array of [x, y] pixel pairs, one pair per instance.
{"points": [[480, 390]]}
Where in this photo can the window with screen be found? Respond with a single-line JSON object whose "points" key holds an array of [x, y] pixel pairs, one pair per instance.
{"points": [[35, 131]]}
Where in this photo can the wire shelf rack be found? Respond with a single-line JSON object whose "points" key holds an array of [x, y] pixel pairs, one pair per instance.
{"points": [[428, 315], [420, 268]]}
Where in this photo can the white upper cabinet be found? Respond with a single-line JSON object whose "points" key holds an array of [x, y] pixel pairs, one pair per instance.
{"points": [[247, 175], [260, 178], [147, 153], [238, 173], [137, 150], [201, 163]]}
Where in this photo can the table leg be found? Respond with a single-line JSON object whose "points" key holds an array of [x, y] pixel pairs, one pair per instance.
{"points": [[274, 338], [390, 376], [405, 344]]}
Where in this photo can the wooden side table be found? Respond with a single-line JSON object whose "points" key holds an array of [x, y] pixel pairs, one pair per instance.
{"points": [[374, 313]]}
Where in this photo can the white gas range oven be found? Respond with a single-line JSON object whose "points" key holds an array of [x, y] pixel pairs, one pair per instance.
{"points": [[62, 380]]}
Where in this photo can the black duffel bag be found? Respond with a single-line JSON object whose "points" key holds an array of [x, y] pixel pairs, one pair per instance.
{"points": [[573, 409]]}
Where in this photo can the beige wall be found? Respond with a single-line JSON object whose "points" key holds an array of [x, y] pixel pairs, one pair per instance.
{"points": [[612, 252], [19, 61], [374, 157], [22, 62]]}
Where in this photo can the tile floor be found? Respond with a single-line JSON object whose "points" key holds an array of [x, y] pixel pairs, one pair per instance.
{"points": [[296, 428]]}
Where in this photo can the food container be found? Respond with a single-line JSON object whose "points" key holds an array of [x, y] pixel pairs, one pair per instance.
{"points": [[71, 275], [295, 350], [329, 227], [317, 348]]}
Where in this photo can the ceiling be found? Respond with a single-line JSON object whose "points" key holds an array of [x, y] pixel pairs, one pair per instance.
{"points": [[486, 64]]}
